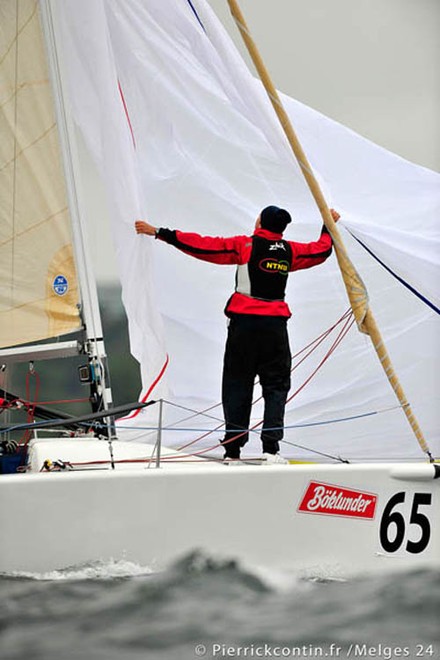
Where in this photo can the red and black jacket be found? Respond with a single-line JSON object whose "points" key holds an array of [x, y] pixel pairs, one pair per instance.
{"points": [[263, 262]]}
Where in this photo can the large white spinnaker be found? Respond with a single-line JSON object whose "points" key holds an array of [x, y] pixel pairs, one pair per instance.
{"points": [[192, 143]]}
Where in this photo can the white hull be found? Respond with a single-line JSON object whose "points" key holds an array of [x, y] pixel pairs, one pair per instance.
{"points": [[152, 516]]}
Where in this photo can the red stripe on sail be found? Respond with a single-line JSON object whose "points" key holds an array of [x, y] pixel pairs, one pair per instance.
{"points": [[126, 113], [150, 389]]}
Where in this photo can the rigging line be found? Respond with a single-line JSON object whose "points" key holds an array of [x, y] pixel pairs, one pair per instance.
{"points": [[315, 451], [338, 340], [342, 419], [301, 425], [190, 429], [316, 342], [319, 339], [350, 315], [196, 15], [324, 336], [203, 413], [294, 426], [50, 403], [336, 343], [396, 276], [82, 420], [215, 459], [201, 437], [14, 171], [196, 413], [348, 325]]}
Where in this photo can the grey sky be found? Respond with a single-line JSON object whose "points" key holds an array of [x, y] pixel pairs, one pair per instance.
{"points": [[373, 65]]}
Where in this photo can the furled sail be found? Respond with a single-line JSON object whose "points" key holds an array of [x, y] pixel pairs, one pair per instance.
{"points": [[182, 134], [39, 294]]}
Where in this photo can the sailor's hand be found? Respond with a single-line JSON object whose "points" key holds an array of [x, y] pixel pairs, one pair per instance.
{"points": [[335, 215], [143, 227], [8, 446]]}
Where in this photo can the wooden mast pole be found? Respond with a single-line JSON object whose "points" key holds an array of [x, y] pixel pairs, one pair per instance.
{"points": [[356, 290]]}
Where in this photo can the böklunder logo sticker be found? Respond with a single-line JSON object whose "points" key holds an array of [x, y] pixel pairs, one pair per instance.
{"points": [[333, 500]]}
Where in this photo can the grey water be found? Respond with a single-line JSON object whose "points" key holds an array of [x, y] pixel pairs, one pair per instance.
{"points": [[206, 608]]}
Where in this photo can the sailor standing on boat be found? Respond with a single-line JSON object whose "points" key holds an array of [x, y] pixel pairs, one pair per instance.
{"points": [[257, 343]]}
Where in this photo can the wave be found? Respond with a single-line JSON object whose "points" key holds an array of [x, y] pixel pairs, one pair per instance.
{"points": [[198, 563], [96, 570], [119, 609], [193, 566]]}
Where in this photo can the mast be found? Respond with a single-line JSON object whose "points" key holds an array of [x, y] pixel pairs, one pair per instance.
{"points": [[356, 290], [94, 342]]}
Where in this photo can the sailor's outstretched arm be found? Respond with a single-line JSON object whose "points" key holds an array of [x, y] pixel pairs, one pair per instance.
{"points": [[214, 249]]}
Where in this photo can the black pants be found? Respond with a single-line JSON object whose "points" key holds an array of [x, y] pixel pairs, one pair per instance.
{"points": [[256, 346]]}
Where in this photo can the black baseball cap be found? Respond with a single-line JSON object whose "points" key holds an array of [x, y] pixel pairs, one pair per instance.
{"points": [[275, 219]]}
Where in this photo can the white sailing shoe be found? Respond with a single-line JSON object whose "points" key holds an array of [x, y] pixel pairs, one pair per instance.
{"points": [[274, 459]]}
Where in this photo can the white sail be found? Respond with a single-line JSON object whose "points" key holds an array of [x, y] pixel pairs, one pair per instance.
{"points": [[39, 293], [182, 134]]}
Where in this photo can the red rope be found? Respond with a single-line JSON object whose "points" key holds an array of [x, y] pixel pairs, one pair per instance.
{"points": [[348, 324], [318, 339], [56, 401], [314, 344], [349, 321]]}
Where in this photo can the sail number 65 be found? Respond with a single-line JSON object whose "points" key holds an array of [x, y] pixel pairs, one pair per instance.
{"points": [[392, 540]]}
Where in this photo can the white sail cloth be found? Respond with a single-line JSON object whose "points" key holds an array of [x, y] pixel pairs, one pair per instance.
{"points": [[183, 135]]}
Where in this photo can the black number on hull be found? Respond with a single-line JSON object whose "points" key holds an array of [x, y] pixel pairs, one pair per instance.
{"points": [[422, 521], [392, 541]]}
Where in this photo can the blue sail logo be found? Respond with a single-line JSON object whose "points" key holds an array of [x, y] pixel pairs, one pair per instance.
{"points": [[60, 285]]}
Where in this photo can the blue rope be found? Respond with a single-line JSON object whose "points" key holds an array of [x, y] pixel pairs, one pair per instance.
{"points": [[196, 15], [274, 428], [92, 425], [397, 277]]}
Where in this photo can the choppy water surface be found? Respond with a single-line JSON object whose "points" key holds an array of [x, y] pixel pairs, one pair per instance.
{"points": [[201, 607]]}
